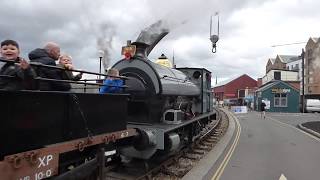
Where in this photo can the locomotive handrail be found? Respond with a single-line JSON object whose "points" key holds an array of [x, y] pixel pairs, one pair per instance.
{"points": [[63, 69], [90, 79], [169, 77]]}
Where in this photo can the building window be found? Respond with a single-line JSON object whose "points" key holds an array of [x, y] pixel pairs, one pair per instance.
{"points": [[280, 100], [277, 75], [241, 93]]}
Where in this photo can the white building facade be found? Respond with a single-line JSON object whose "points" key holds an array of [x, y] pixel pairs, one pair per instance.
{"points": [[283, 75]]}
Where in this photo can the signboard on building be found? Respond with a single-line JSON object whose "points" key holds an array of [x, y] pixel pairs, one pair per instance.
{"points": [[280, 90]]}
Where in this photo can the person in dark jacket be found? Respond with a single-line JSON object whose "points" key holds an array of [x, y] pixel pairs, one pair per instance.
{"points": [[47, 56], [112, 84], [263, 109], [65, 61], [19, 73]]}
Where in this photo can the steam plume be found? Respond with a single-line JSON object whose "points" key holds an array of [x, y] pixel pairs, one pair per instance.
{"points": [[104, 42]]}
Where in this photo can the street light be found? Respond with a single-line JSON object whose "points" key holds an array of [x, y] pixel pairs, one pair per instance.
{"points": [[101, 55]]}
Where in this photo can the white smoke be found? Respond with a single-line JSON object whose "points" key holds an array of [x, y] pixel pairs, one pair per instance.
{"points": [[105, 36], [101, 28]]}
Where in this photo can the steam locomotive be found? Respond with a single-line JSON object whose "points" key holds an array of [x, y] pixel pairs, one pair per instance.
{"points": [[52, 134]]}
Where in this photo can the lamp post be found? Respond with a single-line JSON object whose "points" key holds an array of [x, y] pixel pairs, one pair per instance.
{"points": [[302, 66], [101, 55]]}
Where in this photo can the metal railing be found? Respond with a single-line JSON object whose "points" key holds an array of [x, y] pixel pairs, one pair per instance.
{"points": [[83, 81]]}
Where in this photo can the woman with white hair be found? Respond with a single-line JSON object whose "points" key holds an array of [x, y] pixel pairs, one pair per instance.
{"points": [[65, 61]]}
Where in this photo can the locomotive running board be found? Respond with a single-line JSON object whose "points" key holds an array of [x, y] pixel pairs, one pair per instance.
{"points": [[160, 129]]}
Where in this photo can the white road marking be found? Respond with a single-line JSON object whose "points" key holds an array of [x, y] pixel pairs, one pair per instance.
{"points": [[282, 177], [287, 125]]}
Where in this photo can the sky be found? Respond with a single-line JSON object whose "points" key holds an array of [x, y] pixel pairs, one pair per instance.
{"points": [[248, 29]]}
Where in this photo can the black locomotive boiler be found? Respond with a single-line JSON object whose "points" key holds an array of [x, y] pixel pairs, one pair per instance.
{"points": [[168, 106]]}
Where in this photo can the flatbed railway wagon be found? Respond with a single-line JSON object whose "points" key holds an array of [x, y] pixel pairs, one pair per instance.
{"points": [[58, 134]]}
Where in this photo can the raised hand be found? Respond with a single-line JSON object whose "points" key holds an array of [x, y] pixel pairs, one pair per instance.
{"points": [[23, 64], [68, 66]]}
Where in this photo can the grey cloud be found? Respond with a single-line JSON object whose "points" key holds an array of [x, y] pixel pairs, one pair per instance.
{"points": [[77, 26]]}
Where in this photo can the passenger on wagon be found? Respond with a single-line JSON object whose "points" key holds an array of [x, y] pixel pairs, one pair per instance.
{"points": [[47, 56], [112, 84], [65, 61], [20, 74]]}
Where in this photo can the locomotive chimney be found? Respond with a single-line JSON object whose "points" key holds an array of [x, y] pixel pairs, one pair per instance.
{"points": [[152, 35], [141, 49]]}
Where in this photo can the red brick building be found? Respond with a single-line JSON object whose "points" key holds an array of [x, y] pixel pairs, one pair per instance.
{"points": [[234, 89]]}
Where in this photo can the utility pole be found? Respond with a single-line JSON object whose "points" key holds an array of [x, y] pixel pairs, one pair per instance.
{"points": [[302, 58]]}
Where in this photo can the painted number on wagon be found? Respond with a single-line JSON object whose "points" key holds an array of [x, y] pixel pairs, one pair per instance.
{"points": [[38, 175], [43, 169], [43, 174]]}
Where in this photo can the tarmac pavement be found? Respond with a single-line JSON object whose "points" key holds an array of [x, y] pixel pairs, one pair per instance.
{"points": [[273, 149]]}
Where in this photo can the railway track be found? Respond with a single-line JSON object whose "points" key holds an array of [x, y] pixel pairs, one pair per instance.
{"points": [[177, 166]]}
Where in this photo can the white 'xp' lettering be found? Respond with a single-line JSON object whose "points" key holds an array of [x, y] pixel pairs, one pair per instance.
{"points": [[45, 160]]}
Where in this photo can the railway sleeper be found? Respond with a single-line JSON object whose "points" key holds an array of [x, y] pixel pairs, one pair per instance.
{"points": [[214, 138], [184, 163], [207, 144], [219, 131], [175, 171], [199, 151], [193, 156], [203, 147], [211, 140]]}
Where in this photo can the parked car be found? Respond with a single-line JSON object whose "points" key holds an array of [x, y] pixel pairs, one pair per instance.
{"points": [[313, 105]]}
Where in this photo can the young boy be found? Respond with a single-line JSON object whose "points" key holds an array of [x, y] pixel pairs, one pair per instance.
{"points": [[112, 84], [15, 75]]}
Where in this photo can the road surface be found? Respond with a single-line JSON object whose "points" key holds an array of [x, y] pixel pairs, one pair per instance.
{"points": [[272, 149]]}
